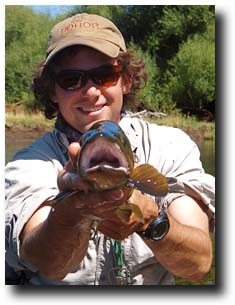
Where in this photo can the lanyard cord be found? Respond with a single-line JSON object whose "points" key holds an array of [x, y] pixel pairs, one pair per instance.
{"points": [[117, 245], [123, 275]]}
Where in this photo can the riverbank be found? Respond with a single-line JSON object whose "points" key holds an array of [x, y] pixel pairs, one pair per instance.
{"points": [[36, 123]]}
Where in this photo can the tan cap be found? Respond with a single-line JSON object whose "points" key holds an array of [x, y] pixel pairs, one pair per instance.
{"points": [[89, 30]]}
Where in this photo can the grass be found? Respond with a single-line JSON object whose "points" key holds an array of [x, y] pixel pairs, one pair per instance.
{"points": [[199, 130], [25, 119]]}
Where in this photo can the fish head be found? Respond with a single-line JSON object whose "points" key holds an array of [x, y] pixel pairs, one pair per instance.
{"points": [[106, 158]]}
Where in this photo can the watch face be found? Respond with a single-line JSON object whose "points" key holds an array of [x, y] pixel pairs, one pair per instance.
{"points": [[159, 227], [160, 230]]}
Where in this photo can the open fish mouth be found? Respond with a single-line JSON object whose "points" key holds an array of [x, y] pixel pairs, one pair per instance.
{"points": [[103, 155]]}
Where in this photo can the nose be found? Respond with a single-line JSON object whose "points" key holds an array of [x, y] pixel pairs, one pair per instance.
{"points": [[91, 89]]}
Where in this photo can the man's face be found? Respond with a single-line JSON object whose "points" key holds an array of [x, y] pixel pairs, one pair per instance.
{"points": [[90, 103]]}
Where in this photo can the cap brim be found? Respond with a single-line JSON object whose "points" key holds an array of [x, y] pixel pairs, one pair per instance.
{"points": [[104, 46]]}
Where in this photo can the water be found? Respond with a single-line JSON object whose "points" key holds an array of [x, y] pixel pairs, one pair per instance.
{"points": [[14, 142]]}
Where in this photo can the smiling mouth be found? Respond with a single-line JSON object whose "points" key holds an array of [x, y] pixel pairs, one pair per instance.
{"points": [[90, 109]]}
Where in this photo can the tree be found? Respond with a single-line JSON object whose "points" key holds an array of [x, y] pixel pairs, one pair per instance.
{"points": [[26, 39], [176, 41], [192, 80]]}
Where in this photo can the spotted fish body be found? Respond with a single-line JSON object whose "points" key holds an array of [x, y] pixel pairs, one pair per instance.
{"points": [[106, 162]]}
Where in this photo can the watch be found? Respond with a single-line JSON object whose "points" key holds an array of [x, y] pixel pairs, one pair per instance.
{"points": [[157, 229]]}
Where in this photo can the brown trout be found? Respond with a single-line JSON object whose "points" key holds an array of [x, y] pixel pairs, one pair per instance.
{"points": [[106, 162]]}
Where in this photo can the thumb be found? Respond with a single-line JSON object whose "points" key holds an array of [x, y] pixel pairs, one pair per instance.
{"points": [[74, 151]]}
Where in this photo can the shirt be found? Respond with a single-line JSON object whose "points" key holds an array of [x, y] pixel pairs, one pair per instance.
{"points": [[31, 179]]}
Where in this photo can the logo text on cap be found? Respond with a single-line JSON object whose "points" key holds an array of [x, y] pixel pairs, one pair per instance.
{"points": [[79, 25]]}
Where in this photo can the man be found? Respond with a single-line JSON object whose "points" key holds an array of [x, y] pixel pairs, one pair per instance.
{"points": [[88, 76]]}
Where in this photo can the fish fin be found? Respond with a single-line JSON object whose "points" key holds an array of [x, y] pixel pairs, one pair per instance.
{"points": [[136, 210], [123, 213], [147, 179], [125, 210]]}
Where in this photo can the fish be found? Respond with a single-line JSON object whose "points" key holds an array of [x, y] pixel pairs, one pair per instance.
{"points": [[106, 162]]}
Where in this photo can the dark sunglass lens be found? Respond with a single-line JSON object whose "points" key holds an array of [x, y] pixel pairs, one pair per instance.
{"points": [[69, 80], [105, 76]]}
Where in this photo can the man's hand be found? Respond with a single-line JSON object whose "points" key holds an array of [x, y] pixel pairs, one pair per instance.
{"points": [[119, 230], [103, 205]]}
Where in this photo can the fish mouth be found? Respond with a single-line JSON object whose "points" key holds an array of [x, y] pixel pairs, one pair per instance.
{"points": [[102, 154]]}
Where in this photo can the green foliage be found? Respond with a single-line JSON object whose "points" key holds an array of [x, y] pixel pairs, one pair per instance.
{"points": [[152, 96], [147, 94], [176, 41], [112, 12], [192, 81], [184, 21], [26, 39]]}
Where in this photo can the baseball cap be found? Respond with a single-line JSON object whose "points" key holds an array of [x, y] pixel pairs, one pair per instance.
{"points": [[89, 30]]}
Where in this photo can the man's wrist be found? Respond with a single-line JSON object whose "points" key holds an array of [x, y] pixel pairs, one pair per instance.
{"points": [[157, 229]]}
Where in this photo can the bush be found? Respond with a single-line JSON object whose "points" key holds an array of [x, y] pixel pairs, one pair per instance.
{"points": [[192, 77]]}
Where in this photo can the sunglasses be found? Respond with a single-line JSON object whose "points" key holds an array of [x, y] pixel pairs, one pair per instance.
{"points": [[104, 76]]}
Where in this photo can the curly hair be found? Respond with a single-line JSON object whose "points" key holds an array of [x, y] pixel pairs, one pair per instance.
{"points": [[43, 83]]}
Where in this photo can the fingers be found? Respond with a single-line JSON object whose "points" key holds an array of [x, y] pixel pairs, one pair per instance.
{"points": [[109, 199], [68, 181], [116, 229], [102, 204]]}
